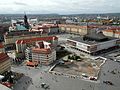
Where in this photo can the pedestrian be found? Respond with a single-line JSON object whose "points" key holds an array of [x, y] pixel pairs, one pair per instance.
{"points": [[56, 80], [23, 88], [104, 74], [40, 77], [25, 82]]}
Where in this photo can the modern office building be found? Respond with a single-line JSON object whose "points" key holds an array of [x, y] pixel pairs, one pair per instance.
{"points": [[94, 42]]}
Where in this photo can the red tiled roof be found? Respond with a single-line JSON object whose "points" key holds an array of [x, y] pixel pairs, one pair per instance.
{"points": [[24, 41], [7, 84], [39, 27], [112, 31], [89, 26], [3, 57], [115, 28], [31, 63], [18, 41], [44, 26], [71, 26], [1, 45]]}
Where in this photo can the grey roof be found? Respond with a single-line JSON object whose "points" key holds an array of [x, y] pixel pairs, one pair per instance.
{"points": [[90, 42], [80, 39], [97, 36]]}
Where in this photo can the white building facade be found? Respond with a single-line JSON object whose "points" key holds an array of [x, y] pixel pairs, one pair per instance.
{"points": [[92, 48], [44, 58]]}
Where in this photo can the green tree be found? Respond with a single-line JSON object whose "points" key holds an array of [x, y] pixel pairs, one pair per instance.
{"points": [[69, 57]]}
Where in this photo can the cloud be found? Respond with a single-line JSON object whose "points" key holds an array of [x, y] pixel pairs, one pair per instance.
{"points": [[59, 6], [20, 3]]}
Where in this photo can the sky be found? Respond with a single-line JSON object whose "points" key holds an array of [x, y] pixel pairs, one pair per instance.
{"points": [[59, 6]]}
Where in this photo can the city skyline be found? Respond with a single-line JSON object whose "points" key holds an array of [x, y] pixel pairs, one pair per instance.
{"points": [[59, 7]]}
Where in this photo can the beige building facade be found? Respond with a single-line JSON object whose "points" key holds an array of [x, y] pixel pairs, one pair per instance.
{"points": [[13, 39], [5, 63], [112, 33], [75, 29], [2, 49]]}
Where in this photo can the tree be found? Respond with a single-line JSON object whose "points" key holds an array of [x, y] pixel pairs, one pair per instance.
{"points": [[69, 57], [77, 57]]}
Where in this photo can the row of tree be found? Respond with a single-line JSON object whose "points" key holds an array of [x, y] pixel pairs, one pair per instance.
{"points": [[74, 57]]}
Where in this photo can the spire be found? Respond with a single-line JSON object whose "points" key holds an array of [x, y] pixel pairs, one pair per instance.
{"points": [[26, 21]]}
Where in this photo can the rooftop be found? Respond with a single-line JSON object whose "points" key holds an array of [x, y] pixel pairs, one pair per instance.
{"points": [[23, 41], [23, 33], [20, 27], [41, 50], [90, 42], [112, 31]]}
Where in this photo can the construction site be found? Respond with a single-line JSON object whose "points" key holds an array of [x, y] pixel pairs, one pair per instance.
{"points": [[84, 67]]}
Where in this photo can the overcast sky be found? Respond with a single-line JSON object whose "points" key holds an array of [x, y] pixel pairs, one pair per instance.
{"points": [[59, 6]]}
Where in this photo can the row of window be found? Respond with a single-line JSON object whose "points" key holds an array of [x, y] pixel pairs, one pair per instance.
{"points": [[5, 66]]}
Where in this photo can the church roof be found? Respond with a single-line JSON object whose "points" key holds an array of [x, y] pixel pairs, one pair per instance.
{"points": [[20, 27]]}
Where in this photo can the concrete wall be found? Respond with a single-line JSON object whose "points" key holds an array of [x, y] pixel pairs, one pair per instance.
{"points": [[106, 45]]}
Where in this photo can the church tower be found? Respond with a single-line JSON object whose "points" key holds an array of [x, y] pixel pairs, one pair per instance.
{"points": [[26, 22]]}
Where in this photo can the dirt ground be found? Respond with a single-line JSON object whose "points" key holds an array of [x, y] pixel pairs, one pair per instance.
{"points": [[89, 67]]}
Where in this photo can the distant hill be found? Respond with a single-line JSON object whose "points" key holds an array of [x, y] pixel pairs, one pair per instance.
{"points": [[54, 15]]}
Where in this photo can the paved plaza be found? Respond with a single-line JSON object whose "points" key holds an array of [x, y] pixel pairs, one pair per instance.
{"points": [[35, 77]]}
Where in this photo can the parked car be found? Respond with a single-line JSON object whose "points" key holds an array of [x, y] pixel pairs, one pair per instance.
{"points": [[93, 78], [84, 75], [108, 82], [45, 86]]}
